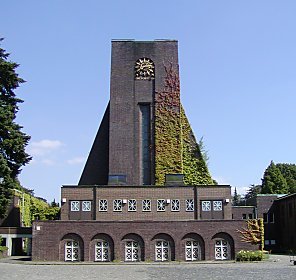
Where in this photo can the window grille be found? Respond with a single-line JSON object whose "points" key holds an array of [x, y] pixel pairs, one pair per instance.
{"points": [[132, 205], [192, 250], [161, 205], [102, 251], [175, 205], [222, 250], [146, 205], [117, 205], [206, 205], [103, 205], [86, 206], [217, 205], [71, 250], [132, 251], [75, 205], [162, 250], [189, 205]]}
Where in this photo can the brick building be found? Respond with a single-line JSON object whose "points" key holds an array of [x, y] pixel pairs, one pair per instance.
{"points": [[145, 192]]}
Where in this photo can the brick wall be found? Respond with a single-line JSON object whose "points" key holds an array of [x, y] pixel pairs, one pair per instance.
{"points": [[198, 194], [49, 240]]}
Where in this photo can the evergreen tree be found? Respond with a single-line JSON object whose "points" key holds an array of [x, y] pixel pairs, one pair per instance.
{"points": [[273, 181], [12, 140], [253, 191], [236, 198], [289, 173]]}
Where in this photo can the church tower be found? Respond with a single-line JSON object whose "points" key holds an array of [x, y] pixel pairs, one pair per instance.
{"points": [[144, 134]]}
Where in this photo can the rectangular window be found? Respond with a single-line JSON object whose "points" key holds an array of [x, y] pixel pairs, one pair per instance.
{"points": [[103, 205], [250, 216], [86, 206], [206, 206], [132, 205], [117, 205], [265, 218], [272, 242], [266, 242], [146, 205], [189, 205], [217, 205], [175, 205], [271, 217], [161, 204], [75, 206], [244, 216]]}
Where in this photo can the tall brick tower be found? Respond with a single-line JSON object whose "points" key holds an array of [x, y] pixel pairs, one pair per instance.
{"points": [[144, 134]]}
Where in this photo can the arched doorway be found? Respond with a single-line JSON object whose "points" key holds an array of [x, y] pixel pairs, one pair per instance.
{"points": [[164, 247], [194, 247], [223, 246], [102, 248], [71, 247], [134, 248]]}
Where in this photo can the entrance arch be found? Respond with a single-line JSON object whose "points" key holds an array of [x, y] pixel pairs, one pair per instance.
{"points": [[223, 246]]}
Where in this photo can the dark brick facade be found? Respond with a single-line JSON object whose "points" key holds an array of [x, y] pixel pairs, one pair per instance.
{"points": [[153, 193], [52, 235]]}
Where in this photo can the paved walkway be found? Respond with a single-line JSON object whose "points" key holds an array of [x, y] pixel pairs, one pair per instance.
{"points": [[277, 267]]}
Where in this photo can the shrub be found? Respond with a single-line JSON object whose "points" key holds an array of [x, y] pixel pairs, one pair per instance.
{"points": [[249, 256]]}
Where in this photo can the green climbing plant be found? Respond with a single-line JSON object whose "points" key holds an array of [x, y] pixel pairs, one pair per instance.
{"points": [[176, 149]]}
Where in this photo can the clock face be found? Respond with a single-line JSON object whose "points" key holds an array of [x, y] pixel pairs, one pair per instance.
{"points": [[144, 69]]}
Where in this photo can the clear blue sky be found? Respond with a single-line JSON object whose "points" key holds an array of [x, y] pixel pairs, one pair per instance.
{"points": [[238, 79]]}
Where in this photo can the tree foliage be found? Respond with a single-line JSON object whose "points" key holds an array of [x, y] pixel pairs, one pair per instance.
{"points": [[253, 191], [12, 140], [273, 180]]}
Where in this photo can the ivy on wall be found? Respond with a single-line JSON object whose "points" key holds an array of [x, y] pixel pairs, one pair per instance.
{"points": [[168, 142], [176, 150], [32, 208]]}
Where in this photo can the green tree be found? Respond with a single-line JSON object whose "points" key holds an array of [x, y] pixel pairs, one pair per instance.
{"points": [[253, 191], [289, 173], [12, 140], [273, 181], [236, 198]]}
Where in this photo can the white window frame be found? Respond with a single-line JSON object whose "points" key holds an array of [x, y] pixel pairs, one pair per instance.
{"points": [[103, 205], [132, 251], [161, 203], [104, 248], [75, 205], [146, 205], [132, 205], [72, 249], [190, 247], [206, 205], [175, 205], [189, 205], [117, 205], [222, 247], [162, 248], [86, 206], [217, 205]]}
